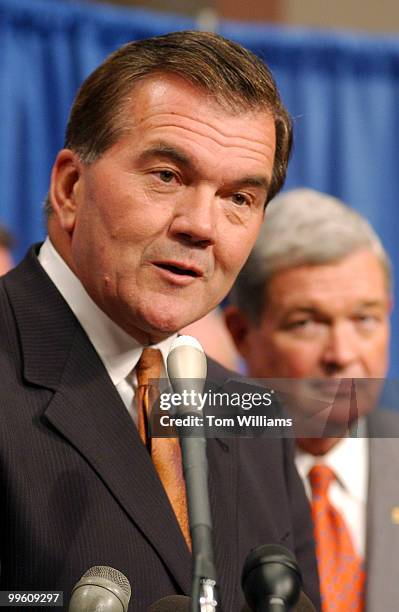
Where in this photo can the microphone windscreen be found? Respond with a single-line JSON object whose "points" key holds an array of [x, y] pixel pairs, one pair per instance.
{"points": [[271, 571], [187, 368], [101, 587], [186, 359], [172, 603]]}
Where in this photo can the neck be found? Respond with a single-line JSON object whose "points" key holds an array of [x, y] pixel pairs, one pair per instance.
{"points": [[317, 446]]}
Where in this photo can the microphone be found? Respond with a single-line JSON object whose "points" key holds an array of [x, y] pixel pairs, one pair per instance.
{"points": [[187, 368], [271, 579], [187, 365], [101, 589]]}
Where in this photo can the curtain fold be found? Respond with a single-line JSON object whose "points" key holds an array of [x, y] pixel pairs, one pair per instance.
{"points": [[341, 88]]}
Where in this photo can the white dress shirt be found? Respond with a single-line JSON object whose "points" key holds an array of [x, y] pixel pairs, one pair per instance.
{"points": [[348, 492], [118, 351]]}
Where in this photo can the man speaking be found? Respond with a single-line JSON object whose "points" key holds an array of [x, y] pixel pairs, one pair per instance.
{"points": [[173, 147]]}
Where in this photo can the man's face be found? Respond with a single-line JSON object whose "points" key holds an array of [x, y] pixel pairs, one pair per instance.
{"points": [[321, 322], [161, 224]]}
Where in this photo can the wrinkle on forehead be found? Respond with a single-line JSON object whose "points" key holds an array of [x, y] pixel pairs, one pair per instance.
{"points": [[207, 144], [209, 139], [214, 130]]}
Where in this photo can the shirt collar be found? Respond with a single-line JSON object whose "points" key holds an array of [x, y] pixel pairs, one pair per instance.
{"points": [[349, 461], [118, 351]]}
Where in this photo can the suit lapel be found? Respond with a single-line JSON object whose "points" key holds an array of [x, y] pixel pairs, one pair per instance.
{"points": [[87, 410]]}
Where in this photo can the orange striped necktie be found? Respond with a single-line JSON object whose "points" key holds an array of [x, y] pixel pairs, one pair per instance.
{"points": [[342, 577], [165, 452]]}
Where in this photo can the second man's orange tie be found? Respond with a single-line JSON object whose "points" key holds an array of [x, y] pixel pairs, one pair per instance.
{"points": [[342, 576], [165, 452]]}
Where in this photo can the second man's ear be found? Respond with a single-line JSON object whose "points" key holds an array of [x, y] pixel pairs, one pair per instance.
{"points": [[64, 188], [238, 325]]}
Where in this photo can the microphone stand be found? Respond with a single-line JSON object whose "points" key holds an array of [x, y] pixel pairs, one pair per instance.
{"points": [[187, 369], [204, 592]]}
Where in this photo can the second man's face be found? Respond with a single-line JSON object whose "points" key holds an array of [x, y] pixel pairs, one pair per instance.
{"points": [[165, 219], [322, 324], [324, 321]]}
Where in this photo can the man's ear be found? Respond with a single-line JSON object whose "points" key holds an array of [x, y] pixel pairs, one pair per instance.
{"points": [[65, 178], [239, 327]]}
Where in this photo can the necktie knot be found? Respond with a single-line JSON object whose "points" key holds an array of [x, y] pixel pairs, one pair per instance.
{"points": [[320, 478], [148, 366]]}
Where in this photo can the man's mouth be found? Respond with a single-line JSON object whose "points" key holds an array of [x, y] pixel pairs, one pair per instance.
{"points": [[180, 269]]}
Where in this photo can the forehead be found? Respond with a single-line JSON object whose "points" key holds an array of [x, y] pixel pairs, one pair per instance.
{"points": [[169, 87], [357, 278], [168, 102]]}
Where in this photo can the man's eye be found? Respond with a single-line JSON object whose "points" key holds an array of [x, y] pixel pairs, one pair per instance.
{"points": [[366, 321], [305, 328], [240, 199], [166, 176], [300, 324]]}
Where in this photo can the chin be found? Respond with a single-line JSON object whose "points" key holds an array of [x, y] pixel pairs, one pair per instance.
{"points": [[165, 323], [158, 315]]}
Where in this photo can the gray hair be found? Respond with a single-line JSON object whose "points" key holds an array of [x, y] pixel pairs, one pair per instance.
{"points": [[302, 226]]}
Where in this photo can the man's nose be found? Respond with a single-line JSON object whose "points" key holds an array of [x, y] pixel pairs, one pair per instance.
{"points": [[341, 349], [195, 217]]}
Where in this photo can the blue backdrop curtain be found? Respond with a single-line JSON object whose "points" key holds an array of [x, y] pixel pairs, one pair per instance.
{"points": [[342, 90]]}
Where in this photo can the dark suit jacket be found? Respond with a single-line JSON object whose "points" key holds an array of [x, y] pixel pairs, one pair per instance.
{"points": [[78, 487]]}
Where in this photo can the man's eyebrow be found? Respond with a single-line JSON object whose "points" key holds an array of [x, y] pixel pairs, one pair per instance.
{"points": [[166, 151], [303, 310], [316, 310], [372, 303], [252, 181]]}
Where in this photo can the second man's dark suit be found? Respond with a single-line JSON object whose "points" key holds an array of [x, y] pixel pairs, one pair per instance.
{"points": [[78, 487]]}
